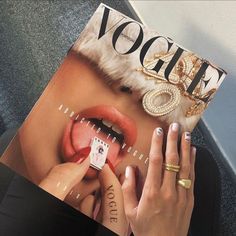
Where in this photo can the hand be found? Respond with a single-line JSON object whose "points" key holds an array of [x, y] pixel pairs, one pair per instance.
{"points": [[165, 207], [62, 179]]}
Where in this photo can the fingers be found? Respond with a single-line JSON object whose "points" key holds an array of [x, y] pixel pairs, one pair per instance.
{"points": [[190, 192], [82, 190], [112, 202], [122, 178], [185, 154], [192, 172], [62, 178], [154, 172], [129, 192], [172, 157], [86, 206]]}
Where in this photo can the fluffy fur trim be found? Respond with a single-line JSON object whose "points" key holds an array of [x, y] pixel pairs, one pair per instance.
{"points": [[123, 68]]}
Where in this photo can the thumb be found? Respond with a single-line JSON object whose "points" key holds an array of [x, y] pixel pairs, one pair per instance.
{"points": [[129, 193], [63, 177], [112, 207]]}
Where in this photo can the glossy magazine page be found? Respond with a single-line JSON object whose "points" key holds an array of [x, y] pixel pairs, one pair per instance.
{"points": [[119, 81]]}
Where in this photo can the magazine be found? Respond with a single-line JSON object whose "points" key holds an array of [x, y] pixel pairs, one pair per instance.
{"points": [[118, 82]]}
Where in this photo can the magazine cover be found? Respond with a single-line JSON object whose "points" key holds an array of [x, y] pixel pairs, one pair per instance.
{"points": [[119, 81]]}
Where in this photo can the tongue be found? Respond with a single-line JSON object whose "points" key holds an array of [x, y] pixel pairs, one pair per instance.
{"points": [[82, 135]]}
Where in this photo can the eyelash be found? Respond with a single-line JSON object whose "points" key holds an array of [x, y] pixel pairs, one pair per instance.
{"points": [[125, 89]]}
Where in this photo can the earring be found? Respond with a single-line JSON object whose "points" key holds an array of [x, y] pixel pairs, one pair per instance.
{"points": [[150, 97]]}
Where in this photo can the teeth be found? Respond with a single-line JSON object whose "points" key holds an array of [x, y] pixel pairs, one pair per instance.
{"points": [[116, 129], [107, 123]]}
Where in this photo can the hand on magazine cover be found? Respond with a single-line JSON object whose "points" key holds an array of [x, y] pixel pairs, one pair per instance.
{"points": [[63, 177], [111, 209], [165, 207]]}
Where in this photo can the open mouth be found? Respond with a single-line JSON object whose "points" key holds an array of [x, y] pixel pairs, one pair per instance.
{"points": [[112, 124], [103, 122], [110, 129]]}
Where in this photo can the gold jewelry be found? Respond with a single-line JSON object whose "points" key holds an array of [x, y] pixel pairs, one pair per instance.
{"points": [[179, 80], [150, 99], [185, 183], [172, 166], [171, 169]]}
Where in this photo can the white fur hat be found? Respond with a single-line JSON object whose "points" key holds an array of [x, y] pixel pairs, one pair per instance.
{"points": [[128, 70]]}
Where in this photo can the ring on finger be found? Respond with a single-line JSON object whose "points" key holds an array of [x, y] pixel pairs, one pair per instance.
{"points": [[185, 183], [170, 167]]}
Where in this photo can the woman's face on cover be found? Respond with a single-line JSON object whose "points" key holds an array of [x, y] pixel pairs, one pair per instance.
{"points": [[76, 88]]}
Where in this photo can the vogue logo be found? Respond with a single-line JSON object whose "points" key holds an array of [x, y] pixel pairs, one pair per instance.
{"points": [[120, 27]]}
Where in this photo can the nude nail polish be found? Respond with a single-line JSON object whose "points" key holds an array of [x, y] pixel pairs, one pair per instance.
{"points": [[127, 172], [175, 127]]}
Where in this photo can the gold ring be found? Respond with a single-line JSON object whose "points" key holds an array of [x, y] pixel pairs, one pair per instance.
{"points": [[185, 183], [172, 166], [171, 169]]}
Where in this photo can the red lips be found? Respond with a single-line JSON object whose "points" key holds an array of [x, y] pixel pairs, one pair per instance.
{"points": [[79, 133]]}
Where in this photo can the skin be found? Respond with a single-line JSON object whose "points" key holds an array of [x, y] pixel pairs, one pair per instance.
{"points": [[66, 87], [71, 173], [36, 148], [45, 125], [164, 208]]}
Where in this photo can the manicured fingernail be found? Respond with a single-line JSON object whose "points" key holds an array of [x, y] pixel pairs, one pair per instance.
{"points": [[110, 165], [85, 151], [81, 155], [187, 136], [159, 131], [175, 127], [128, 172]]}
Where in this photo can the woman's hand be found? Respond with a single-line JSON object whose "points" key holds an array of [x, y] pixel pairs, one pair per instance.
{"points": [[165, 207], [62, 179]]}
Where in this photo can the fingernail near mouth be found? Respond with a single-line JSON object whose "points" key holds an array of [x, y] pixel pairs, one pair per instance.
{"points": [[82, 154], [187, 136], [159, 131], [175, 127], [110, 165], [85, 151]]}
